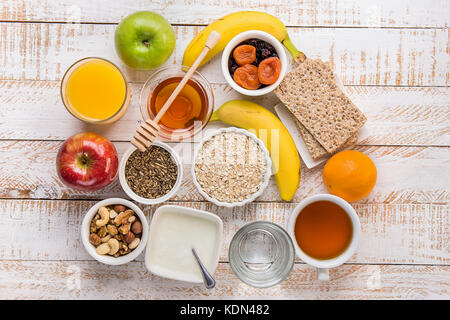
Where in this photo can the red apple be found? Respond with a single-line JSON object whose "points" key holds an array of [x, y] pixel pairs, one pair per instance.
{"points": [[87, 161]]}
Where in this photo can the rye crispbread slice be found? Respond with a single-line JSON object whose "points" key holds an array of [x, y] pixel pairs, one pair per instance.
{"points": [[315, 148], [312, 95]]}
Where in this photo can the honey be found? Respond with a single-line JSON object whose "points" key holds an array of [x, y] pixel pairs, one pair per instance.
{"points": [[189, 106]]}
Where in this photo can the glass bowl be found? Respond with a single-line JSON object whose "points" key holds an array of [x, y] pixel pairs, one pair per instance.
{"points": [[172, 71], [261, 254]]}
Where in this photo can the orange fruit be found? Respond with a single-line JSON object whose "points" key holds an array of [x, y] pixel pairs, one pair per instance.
{"points": [[350, 175]]}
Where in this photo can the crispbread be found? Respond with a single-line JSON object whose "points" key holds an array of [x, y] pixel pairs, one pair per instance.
{"points": [[315, 148], [312, 95]]}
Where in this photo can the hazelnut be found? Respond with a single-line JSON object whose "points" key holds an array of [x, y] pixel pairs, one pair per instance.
{"points": [[119, 208], [95, 239], [129, 237], [136, 227]]}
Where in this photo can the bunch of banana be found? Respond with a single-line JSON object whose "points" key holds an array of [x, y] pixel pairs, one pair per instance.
{"points": [[231, 25], [272, 132]]}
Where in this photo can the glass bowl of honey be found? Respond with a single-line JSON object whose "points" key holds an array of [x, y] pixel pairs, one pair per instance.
{"points": [[191, 110]]}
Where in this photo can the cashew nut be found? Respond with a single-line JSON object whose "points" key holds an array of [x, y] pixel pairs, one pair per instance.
{"points": [[114, 246], [104, 217], [106, 238], [131, 219], [123, 216], [134, 243], [103, 249]]}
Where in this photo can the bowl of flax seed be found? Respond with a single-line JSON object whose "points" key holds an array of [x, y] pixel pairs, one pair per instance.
{"points": [[231, 167], [152, 176]]}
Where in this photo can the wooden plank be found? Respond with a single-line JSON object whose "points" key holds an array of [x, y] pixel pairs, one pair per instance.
{"points": [[396, 115], [399, 234], [349, 13], [405, 175], [92, 280], [362, 56]]}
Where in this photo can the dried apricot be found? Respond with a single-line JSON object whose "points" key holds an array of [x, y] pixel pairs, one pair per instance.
{"points": [[247, 77], [244, 54], [269, 70]]}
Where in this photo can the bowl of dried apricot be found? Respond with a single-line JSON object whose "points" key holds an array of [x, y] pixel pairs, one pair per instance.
{"points": [[254, 63]]}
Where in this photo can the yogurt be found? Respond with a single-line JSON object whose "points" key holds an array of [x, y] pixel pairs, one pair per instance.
{"points": [[174, 231]]}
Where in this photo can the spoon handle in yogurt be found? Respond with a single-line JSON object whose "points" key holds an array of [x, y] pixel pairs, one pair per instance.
{"points": [[208, 280]]}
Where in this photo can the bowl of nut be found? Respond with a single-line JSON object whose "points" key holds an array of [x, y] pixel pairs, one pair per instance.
{"points": [[114, 231]]}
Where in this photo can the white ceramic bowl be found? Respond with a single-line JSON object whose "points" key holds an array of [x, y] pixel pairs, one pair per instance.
{"points": [[106, 259], [134, 196], [254, 34], [266, 176], [174, 274]]}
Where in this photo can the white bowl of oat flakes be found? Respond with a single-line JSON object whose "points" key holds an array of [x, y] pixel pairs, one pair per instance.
{"points": [[231, 167]]}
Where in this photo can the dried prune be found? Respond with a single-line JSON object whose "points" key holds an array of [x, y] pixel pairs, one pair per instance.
{"points": [[244, 54], [270, 47], [247, 77], [231, 62], [252, 42], [233, 68], [266, 53], [269, 70], [260, 44]]}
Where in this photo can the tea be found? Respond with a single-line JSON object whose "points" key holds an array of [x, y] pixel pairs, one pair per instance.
{"points": [[323, 230], [189, 106]]}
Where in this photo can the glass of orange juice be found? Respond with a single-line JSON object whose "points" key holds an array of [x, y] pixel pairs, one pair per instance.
{"points": [[94, 90]]}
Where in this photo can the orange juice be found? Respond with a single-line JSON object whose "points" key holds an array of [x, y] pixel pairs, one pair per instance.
{"points": [[94, 90]]}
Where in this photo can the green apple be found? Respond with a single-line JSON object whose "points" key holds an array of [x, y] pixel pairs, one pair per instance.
{"points": [[144, 40]]}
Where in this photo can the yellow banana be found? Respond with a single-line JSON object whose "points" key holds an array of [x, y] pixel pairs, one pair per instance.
{"points": [[272, 132], [233, 24]]}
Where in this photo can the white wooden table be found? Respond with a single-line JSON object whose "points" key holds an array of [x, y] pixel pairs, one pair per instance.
{"points": [[393, 58]]}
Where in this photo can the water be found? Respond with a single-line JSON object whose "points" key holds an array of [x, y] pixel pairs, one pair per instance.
{"points": [[258, 250], [261, 254]]}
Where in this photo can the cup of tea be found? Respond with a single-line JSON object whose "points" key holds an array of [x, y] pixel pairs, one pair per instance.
{"points": [[325, 230]]}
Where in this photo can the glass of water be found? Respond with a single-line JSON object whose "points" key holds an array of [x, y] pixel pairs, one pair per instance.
{"points": [[261, 254]]}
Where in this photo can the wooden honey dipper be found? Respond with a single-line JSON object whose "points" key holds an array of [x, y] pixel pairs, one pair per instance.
{"points": [[147, 132]]}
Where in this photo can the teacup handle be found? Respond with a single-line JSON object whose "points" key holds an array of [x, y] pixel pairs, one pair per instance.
{"points": [[323, 274]]}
